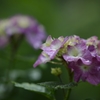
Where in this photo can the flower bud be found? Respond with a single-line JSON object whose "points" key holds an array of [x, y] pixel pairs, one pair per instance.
{"points": [[56, 71]]}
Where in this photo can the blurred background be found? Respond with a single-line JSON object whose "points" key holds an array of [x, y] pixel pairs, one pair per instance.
{"points": [[60, 18]]}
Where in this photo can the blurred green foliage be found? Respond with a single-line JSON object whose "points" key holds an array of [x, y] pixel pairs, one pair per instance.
{"points": [[60, 17]]}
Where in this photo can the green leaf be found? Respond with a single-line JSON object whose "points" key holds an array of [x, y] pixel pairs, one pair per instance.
{"points": [[48, 92], [49, 84], [57, 85]]}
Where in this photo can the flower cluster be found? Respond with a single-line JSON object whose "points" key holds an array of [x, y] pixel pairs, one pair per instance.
{"points": [[82, 56], [22, 25]]}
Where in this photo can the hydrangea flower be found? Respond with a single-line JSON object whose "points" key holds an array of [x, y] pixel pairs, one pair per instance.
{"points": [[92, 41], [52, 46], [81, 55], [50, 49], [94, 46], [89, 73], [24, 25], [76, 52]]}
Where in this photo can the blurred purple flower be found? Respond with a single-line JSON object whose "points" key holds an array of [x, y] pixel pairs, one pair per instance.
{"points": [[34, 32], [3, 41], [3, 37]]}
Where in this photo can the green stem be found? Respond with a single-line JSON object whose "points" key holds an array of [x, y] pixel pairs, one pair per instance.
{"points": [[57, 63], [13, 52], [61, 83], [70, 80], [14, 48], [67, 94], [15, 43]]}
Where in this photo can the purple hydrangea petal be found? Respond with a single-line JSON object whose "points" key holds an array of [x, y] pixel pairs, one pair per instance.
{"points": [[93, 79], [89, 73], [76, 71], [43, 58], [92, 41], [77, 76], [91, 48], [85, 61], [54, 48], [47, 43]]}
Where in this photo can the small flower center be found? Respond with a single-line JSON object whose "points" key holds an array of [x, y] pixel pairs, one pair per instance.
{"points": [[85, 68], [74, 52]]}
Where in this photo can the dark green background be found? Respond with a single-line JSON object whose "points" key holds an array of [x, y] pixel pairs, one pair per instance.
{"points": [[60, 18]]}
